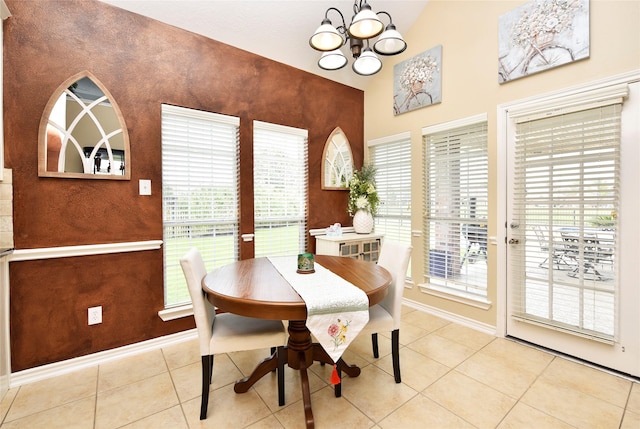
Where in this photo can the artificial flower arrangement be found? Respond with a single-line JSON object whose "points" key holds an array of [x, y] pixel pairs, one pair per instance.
{"points": [[419, 71], [362, 191]]}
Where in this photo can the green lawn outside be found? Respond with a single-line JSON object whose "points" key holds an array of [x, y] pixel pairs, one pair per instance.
{"points": [[216, 252]]}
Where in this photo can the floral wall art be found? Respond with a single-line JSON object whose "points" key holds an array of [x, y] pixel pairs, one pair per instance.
{"points": [[417, 82], [540, 35]]}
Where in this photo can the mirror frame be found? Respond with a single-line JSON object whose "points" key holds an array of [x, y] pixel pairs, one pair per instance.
{"points": [[42, 134], [325, 153]]}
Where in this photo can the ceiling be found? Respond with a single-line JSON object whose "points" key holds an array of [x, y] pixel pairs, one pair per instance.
{"points": [[278, 30]]}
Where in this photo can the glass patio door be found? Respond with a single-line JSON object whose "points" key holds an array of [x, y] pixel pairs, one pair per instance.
{"points": [[572, 231]]}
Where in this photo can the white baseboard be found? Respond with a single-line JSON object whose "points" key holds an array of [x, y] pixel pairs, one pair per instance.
{"points": [[470, 323], [64, 367]]}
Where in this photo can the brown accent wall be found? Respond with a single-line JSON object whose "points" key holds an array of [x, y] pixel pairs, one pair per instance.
{"points": [[143, 63]]}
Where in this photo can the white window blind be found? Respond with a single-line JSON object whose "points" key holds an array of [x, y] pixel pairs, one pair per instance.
{"points": [[566, 200], [456, 180], [200, 177], [392, 160], [280, 179]]}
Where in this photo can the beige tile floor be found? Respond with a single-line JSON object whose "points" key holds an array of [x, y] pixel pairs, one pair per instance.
{"points": [[452, 377]]}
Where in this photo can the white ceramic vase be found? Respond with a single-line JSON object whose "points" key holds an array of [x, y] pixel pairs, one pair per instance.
{"points": [[362, 222]]}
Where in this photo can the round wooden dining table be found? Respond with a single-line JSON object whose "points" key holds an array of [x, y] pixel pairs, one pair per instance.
{"points": [[255, 288]]}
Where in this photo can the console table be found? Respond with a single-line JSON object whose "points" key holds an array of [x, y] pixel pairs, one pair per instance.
{"points": [[365, 247]]}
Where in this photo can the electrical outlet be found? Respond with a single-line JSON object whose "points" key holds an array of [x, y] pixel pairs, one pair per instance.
{"points": [[95, 315]]}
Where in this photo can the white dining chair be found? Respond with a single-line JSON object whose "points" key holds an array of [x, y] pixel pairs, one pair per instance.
{"points": [[385, 316], [227, 332]]}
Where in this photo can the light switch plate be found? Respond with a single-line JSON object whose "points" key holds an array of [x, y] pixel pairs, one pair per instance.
{"points": [[145, 187]]}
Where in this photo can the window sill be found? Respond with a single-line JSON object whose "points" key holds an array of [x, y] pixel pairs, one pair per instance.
{"points": [[456, 296], [174, 313]]}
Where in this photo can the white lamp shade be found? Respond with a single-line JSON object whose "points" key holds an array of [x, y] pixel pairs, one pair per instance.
{"points": [[390, 43], [326, 38], [367, 63], [365, 24], [332, 60]]}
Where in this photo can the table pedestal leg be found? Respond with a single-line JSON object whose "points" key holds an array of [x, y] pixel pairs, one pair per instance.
{"points": [[300, 356], [264, 367], [301, 353], [306, 398]]}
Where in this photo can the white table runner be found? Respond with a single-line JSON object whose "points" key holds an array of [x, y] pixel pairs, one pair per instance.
{"points": [[336, 309]]}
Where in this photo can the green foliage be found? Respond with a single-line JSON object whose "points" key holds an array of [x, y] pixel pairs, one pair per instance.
{"points": [[604, 221], [362, 191]]}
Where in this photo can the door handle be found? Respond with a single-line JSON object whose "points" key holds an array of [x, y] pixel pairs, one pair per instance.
{"points": [[514, 241]]}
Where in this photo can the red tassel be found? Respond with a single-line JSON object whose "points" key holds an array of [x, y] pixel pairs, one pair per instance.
{"points": [[335, 379]]}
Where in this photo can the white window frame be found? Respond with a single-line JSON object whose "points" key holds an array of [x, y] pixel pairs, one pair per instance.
{"points": [[280, 191], [391, 156], [444, 289], [206, 146]]}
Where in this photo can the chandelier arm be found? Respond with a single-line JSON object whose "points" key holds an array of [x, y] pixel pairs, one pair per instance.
{"points": [[357, 6], [341, 28], [386, 13]]}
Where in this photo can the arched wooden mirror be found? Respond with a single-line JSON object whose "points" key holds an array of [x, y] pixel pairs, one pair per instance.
{"points": [[337, 161], [82, 133]]}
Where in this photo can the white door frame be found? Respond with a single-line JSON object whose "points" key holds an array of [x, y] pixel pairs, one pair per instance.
{"points": [[503, 171]]}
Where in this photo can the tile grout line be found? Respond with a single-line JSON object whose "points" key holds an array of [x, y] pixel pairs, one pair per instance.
{"points": [[272, 413], [377, 423], [554, 357], [4, 418], [449, 371], [175, 388], [95, 402], [626, 404], [519, 399]]}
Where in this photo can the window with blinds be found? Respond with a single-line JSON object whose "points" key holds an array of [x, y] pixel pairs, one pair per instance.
{"points": [[565, 202], [455, 169], [391, 157], [200, 192], [280, 179]]}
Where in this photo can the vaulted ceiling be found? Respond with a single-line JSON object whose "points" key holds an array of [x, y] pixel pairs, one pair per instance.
{"points": [[278, 30]]}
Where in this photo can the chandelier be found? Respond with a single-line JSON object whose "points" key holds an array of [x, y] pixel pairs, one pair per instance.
{"points": [[365, 25]]}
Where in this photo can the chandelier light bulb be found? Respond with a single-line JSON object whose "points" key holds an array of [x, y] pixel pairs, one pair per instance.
{"points": [[365, 24], [390, 42], [326, 37], [367, 63], [332, 60]]}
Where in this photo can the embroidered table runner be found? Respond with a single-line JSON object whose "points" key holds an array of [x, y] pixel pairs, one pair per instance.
{"points": [[336, 309]]}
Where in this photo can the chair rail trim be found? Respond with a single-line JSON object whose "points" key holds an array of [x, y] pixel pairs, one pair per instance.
{"points": [[82, 250]]}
